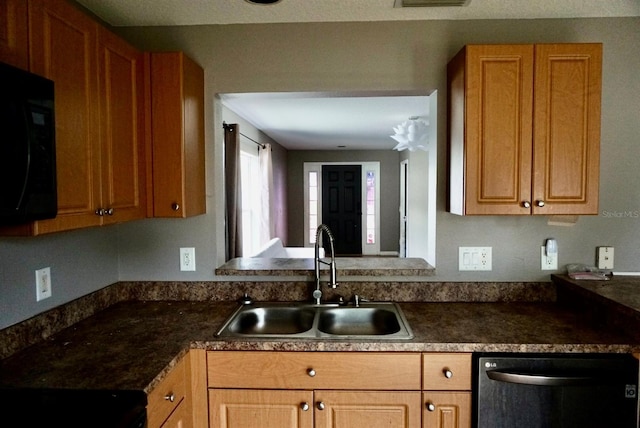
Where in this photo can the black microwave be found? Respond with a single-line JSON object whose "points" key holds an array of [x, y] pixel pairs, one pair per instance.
{"points": [[27, 147]]}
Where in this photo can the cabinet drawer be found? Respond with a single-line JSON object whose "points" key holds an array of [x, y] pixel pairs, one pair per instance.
{"points": [[313, 370], [160, 405], [446, 372]]}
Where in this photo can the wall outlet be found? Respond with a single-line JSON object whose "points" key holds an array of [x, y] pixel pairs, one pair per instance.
{"points": [[604, 257], [43, 283], [474, 258], [548, 261], [188, 259]]}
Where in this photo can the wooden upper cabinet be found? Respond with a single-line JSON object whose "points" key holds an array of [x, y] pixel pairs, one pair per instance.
{"points": [[99, 90], [122, 120], [566, 138], [14, 45], [524, 129], [62, 43], [177, 123]]}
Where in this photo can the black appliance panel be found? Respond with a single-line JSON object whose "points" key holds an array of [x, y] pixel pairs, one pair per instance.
{"points": [[27, 147], [555, 391]]}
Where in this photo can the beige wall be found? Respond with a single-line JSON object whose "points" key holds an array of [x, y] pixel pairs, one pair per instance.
{"points": [[413, 56], [346, 57]]}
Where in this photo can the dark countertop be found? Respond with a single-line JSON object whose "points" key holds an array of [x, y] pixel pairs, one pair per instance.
{"points": [[346, 266], [132, 344]]}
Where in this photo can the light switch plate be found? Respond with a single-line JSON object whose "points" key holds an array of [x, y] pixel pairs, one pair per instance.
{"points": [[43, 284], [474, 258], [604, 257], [188, 259]]}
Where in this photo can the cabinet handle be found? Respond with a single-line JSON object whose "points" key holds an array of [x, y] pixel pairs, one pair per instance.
{"points": [[170, 397], [526, 204], [540, 203], [431, 407], [320, 405], [175, 206], [109, 211], [447, 373], [100, 212], [304, 406], [311, 372]]}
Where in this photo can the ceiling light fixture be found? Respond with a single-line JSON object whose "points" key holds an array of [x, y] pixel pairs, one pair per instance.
{"points": [[430, 3], [411, 135], [263, 1]]}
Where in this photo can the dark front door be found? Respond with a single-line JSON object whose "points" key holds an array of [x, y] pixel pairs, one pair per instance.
{"points": [[342, 207]]}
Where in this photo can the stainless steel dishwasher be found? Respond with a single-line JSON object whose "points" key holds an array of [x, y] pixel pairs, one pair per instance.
{"points": [[555, 391]]}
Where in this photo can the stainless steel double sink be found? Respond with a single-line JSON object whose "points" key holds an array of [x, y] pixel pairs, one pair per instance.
{"points": [[379, 320]]}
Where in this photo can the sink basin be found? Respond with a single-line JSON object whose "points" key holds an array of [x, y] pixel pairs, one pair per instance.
{"points": [[358, 321], [272, 320], [380, 321]]}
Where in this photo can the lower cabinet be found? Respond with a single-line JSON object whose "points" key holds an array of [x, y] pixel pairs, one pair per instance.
{"points": [[180, 399], [231, 408], [338, 389]]}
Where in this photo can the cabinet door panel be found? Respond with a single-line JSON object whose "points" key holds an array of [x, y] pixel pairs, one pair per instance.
{"points": [[499, 97], [567, 131], [238, 408], [63, 48], [346, 409], [14, 47], [122, 129], [450, 410]]}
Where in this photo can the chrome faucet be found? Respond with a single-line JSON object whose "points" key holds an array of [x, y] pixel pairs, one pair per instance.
{"points": [[333, 282]]}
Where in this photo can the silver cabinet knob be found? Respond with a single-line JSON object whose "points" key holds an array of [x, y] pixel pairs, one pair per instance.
{"points": [[320, 405], [304, 406], [170, 397], [431, 407], [526, 204], [311, 372], [447, 373], [175, 206], [109, 211], [540, 203], [100, 212]]}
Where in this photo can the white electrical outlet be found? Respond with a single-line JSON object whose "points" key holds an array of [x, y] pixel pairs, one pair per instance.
{"points": [[43, 283], [604, 257], [188, 259], [474, 258], [548, 261]]}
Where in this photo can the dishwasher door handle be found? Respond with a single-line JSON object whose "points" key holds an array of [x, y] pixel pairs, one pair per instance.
{"points": [[546, 379]]}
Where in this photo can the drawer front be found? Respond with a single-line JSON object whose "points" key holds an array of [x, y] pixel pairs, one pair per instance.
{"points": [[167, 395], [436, 367], [313, 370]]}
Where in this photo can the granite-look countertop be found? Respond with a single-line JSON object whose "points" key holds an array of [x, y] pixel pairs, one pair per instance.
{"points": [[345, 266], [131, 345]]}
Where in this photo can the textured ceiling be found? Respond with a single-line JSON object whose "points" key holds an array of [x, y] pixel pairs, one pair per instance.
{"points": [[198, 12]]}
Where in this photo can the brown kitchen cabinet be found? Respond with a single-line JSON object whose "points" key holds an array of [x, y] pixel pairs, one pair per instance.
{"points": [[122, 130], [14, 33], [99, 107], [323, 389], [180, 399], [524, 129], [446, 384], [177, 123]]}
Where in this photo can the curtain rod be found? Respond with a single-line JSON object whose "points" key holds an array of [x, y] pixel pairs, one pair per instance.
{"points": [[263, 146]]}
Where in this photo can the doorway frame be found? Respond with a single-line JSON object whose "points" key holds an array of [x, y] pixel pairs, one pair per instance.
{"points": [[367, 249]]}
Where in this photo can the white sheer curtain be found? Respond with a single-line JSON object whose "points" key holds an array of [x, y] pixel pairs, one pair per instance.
{"points": [[267, 227]]}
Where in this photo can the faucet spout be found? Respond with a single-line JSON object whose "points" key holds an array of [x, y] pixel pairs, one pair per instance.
{"points": [[333, 277]]}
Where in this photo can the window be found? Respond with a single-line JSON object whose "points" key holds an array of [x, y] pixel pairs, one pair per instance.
{"points": [[371, 207], [251, 201], [313, 205]]}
